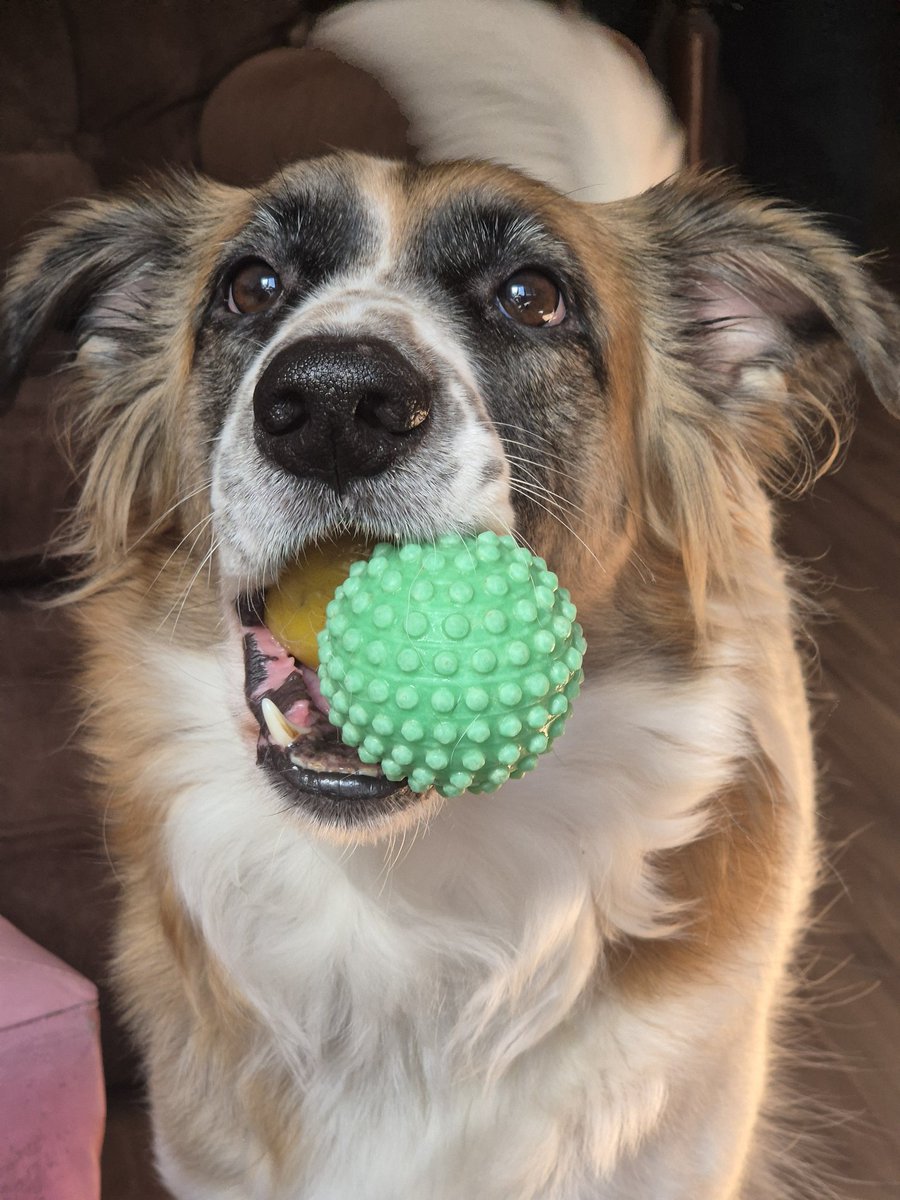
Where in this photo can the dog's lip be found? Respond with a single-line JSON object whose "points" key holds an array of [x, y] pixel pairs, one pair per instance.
{"points": [[345, 803]]}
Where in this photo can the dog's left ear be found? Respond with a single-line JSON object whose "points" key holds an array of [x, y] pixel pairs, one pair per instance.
{"points": [[766, 305], [91, 247]]}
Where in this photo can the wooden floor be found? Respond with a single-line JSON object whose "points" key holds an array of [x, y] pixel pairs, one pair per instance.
{"points": [[849, 533], [848, 1040]]}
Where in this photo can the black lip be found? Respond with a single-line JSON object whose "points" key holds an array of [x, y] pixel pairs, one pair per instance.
{"points": [[333, 785], [334, 798]]}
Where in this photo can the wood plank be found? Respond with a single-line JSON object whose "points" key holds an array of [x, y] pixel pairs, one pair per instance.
{"points": [[851, 528]]}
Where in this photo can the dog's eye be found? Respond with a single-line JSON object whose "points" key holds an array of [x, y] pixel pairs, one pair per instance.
{"points": [[252, 288], [531, 298]]}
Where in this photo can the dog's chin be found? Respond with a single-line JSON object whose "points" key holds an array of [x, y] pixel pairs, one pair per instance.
{"points": [[302, 753], [346, 804]]}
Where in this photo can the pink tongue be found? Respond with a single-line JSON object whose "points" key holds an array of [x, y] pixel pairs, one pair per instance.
{"points": [[279, 668], [311, 679]]}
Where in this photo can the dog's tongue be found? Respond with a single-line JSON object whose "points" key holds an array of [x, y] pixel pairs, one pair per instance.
{"points": [[272, 672]]}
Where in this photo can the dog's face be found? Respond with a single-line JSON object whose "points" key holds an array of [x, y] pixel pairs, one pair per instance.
{"points": [[379, 348], [399, 353]]}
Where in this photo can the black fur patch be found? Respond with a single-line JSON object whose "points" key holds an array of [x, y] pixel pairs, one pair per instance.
{"points": [[542, 386], [309, 230]]}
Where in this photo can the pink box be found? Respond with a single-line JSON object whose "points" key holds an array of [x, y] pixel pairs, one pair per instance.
{"points": [[52, 1100]]}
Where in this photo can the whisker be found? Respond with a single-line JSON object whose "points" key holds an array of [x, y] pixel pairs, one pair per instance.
{"points": [[154, 525], [199, 526], [534, 463], [565, 526], [535, 481], [560, 502], [532, 491], [508, 441], [206, 558], [521, 459], [531, 433]]}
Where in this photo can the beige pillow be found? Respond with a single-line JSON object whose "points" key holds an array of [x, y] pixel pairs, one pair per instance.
{"points": [[288, 104]]}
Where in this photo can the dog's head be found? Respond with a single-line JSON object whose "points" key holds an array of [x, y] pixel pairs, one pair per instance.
{"points": [[403, 352]]}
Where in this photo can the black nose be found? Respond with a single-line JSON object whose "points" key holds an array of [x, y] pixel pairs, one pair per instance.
{"points": [[339, 408]]}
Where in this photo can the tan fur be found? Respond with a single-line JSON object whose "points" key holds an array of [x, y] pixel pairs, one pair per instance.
{"points": [[729, 882]]}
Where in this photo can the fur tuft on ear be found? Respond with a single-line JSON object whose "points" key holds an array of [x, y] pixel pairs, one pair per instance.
{"points": [[114, 270], [761, 284], [65, 270], [755, 317]]}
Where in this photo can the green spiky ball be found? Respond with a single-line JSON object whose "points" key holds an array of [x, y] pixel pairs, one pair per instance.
{"points": [[453, 665]]}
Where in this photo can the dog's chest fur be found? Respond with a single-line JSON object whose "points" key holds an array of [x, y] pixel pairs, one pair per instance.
{"points": [[454, 1014]]}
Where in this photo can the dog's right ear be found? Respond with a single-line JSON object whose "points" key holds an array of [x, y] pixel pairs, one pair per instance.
{"points": [[87, 270], [128, 275]]}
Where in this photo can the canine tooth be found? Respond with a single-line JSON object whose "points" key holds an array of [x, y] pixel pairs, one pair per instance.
{"points": [[281, 731]]}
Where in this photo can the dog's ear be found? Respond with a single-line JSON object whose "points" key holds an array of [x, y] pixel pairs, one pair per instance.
{"points": [[128, 275], [754, 318], [768, 309], [88, 270]]}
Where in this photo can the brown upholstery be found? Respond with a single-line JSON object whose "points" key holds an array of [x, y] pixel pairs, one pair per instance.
{"points": [[291, 103], [55, 879], [36, 480]]}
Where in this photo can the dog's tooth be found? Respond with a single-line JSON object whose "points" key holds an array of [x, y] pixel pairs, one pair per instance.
{"points": [[367, 769], [281, 731], [318, 763]]}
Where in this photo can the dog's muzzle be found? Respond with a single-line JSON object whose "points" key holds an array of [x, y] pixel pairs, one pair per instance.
{"points": [[339, 408]]}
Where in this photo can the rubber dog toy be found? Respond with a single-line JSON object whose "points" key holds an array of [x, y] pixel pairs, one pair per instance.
{"points": [[453, 665]]}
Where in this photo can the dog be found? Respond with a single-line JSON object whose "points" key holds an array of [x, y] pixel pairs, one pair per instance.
{"points": [[565, 990]]}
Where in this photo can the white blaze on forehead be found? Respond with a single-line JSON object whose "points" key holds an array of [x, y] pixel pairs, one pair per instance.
{"points": [[457, 479]]}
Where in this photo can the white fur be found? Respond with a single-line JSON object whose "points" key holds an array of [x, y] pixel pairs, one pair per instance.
{"points": [[512, 81], [429, 997]]}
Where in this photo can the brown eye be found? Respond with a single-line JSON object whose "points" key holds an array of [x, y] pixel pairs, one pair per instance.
{"points": [[531, 298], [253, 288]]}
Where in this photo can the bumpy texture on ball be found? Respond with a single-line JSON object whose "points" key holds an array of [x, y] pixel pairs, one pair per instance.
{"points": [[452, 665]]}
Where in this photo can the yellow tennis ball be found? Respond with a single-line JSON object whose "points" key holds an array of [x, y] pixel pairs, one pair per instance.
{"points": [[295, 606]]}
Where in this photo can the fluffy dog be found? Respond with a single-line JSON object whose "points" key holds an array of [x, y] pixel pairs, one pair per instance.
{"points": [[565, 990]]}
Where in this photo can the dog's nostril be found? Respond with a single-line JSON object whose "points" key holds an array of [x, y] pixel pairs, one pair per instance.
{"points": [[383, 411], [284, 415], [372, 410]]}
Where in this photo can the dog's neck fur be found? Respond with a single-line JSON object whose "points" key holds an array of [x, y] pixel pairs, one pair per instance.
{"points": [[410, 992]]}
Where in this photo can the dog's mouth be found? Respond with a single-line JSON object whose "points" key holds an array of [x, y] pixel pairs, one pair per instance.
{"points": [[297, 744]]}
